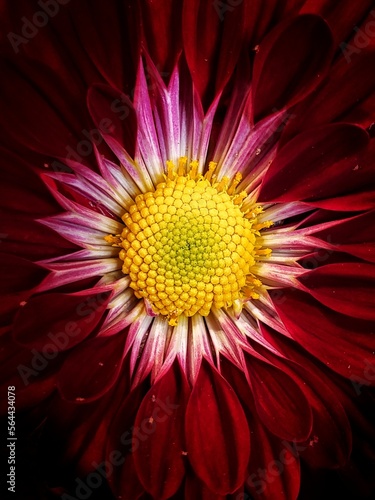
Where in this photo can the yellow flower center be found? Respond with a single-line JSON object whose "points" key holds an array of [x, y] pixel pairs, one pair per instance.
{"points": [[188, 246]]}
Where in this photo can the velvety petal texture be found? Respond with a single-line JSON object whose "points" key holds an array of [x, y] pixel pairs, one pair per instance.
{"points": [[187, 205]]}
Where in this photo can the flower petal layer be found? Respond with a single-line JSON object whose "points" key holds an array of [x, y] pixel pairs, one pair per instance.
{"points": [[218, 442], [159, 458], [58, 319]]}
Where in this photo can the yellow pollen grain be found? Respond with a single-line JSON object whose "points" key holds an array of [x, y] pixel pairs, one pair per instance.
{"points": [[188, 247]]}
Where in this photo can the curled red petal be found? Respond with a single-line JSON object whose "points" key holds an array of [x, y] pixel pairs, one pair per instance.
{"points": [[217, 435], [354, 236], [316, 164], [340, 342], [274, 468], [161, 33], [329, 444], [281, 76], [56, 321], [212, 38], [345, 96], [341, 15], [280, 403]]}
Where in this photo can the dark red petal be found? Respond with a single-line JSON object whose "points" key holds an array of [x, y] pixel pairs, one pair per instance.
{"points": [[87, 381], [355, 236], [212, 38], [258, 18], [115, 56], [161, 33], [341, 15], [346, 96], [77, 434], [124, 481], [364, 199], [18, 274], [217, 435], [274, 470], [280, 403], [159, 427], [18, 277], [341, 342], [42, 127], [24, 370], [281, 75], [329, 444], [131, 487], [22, 236], [194, 488], [113, 114], [316, 164], [58, 321], [346, 288]]}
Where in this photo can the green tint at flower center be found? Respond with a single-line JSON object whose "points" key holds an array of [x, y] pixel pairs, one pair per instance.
{"points": [[188, 246]]}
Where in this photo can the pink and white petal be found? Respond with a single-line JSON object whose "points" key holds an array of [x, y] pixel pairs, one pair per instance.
{"points": [[81, 255], [278, 212], [165, 103], [84, 215], [206, 130], [82, 188], [86, 237], [191, 117], [250, 144], [63, 273], [149, 355], [91, 183], [239, 102], [199, 346], [226, 345], [120, 180], [177, 345], [148, 152], [248, 324], [137, 333], [119, 319], [277, 274]]}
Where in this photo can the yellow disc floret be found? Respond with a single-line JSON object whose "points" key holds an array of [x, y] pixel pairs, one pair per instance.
{"points": [[188, 246]]}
